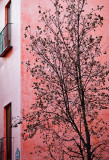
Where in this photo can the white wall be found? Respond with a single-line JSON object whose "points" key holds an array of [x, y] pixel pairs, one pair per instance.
{"points": [[10, 71]]}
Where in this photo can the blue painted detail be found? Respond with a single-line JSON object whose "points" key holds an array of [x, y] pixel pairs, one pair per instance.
{"points": [[17, 154]]}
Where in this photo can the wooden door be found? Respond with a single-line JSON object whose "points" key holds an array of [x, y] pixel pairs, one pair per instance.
{"points": [[8, 132]]}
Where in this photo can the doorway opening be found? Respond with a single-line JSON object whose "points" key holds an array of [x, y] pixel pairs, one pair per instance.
{"points": [[8, 131]]}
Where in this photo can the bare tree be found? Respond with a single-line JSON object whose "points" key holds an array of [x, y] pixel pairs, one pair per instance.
{"points": [[70, 83]]}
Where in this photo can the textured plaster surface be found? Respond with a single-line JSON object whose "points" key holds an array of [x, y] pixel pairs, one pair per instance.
{"points": [[30, 16]]}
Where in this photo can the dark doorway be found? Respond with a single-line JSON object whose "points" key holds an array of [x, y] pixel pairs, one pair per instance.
{"points": [[8, 132]]}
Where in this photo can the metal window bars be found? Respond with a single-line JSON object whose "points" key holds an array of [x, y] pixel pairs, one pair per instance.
{"points": [[5, 148], [5, 39], [2, 148]]}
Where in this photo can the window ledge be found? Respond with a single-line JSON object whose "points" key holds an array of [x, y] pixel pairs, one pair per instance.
{"points": [[7, 49]]}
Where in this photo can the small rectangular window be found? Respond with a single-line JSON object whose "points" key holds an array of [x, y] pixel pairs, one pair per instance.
{"points": [[8, 13], [5, 34]]}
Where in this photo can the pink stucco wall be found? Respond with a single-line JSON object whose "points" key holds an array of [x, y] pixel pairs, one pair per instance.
{"points": [[15, 81], [29, 16]]}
